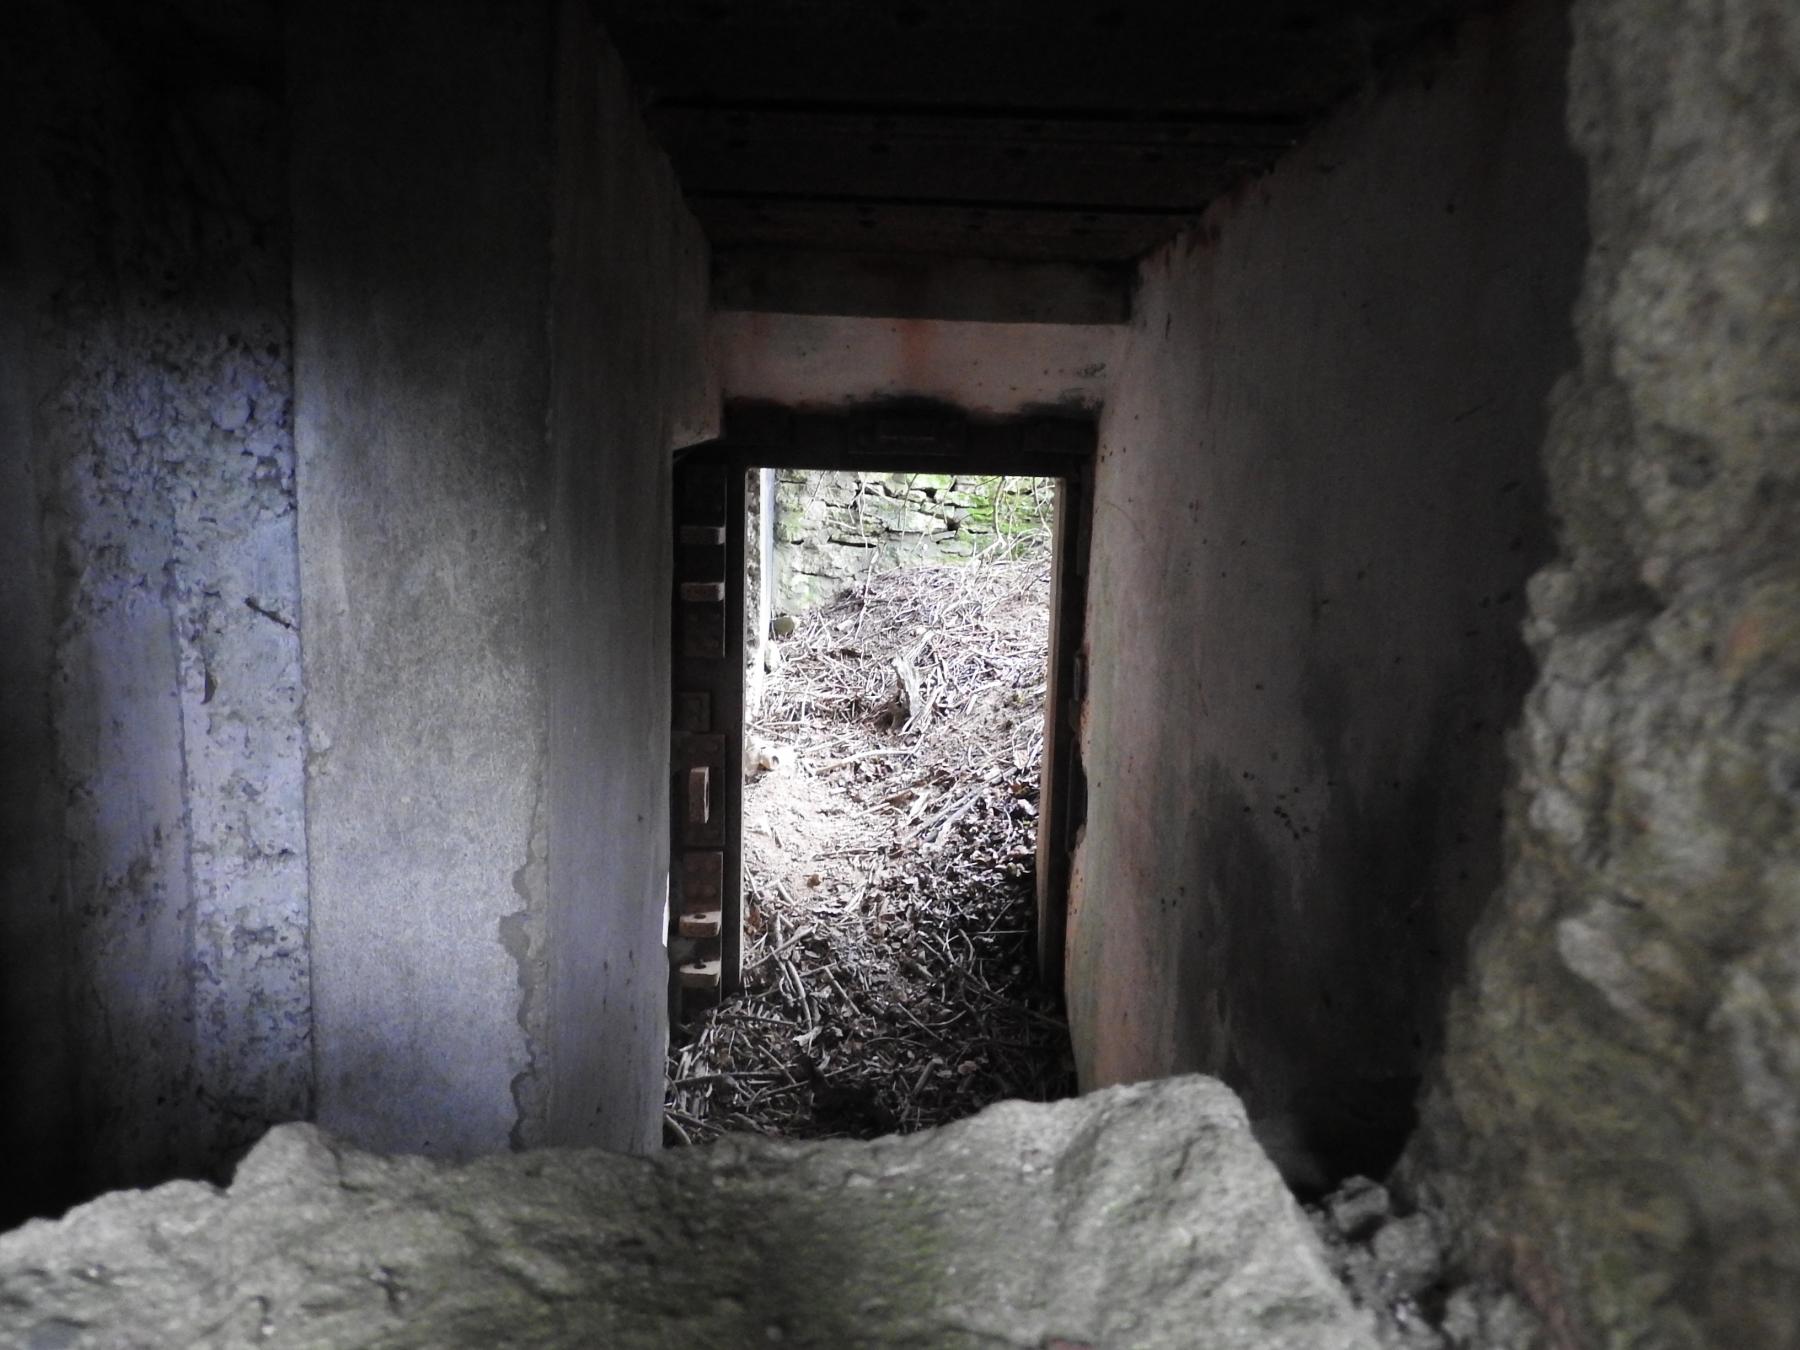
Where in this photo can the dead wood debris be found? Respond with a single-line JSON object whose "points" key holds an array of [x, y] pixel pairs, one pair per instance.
{"points": [[888, 964]]}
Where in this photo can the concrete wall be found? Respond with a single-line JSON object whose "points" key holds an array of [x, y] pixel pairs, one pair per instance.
{"points": [[421, 281], [34, 1035], [153, 953], [498, 305], [629, 382], [1317, 503]]}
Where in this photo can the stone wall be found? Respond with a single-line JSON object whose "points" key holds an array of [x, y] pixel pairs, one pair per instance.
{"points": [[153, 931], [1619, 1122], [833, 528]]}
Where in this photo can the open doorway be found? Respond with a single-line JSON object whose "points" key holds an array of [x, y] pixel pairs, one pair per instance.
{"points": [[883, 860]]}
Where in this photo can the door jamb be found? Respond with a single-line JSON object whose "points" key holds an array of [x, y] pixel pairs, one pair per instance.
{"points": [[906, 439]]}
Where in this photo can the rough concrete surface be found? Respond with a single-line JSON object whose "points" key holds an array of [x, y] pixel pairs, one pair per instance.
{"points": [[162, 921], [1620, 1125], [1141, 1216], [1317, 500]]}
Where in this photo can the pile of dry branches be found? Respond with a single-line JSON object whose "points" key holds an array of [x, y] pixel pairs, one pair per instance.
{"points": [[889, 867]]}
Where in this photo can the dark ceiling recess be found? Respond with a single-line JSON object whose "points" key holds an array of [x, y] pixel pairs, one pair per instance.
{"points": [[1037, 130]]}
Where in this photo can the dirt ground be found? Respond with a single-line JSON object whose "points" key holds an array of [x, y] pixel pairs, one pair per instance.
{"points": [[890, 830]]}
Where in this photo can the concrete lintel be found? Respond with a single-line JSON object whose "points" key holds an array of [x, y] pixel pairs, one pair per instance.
{"points": [[813, 363], [920, 286]]}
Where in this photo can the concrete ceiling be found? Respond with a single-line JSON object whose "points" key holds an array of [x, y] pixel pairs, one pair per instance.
{"points": [[1027, 130]]}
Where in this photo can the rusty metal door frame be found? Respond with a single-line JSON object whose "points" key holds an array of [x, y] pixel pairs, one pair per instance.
{"points": [[706, 789]]}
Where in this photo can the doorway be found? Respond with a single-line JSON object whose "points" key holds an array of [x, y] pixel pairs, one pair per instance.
{"points": [[909, 965]]}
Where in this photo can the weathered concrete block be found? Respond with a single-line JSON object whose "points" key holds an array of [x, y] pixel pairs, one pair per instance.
{"points": [[1141, 1216]]}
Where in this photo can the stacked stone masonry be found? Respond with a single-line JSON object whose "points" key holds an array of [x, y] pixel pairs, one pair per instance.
{"points": [[834, 528]]}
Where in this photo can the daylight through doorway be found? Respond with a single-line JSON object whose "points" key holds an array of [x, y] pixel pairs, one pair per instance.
{"points": [[894, 742]]}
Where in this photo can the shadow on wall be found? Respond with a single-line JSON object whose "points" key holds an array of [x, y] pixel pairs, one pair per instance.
{"points": [[1320, 497], [1332, 1012]]}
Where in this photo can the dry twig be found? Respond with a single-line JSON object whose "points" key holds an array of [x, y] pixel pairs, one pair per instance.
{"points": [[888, 954]]}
